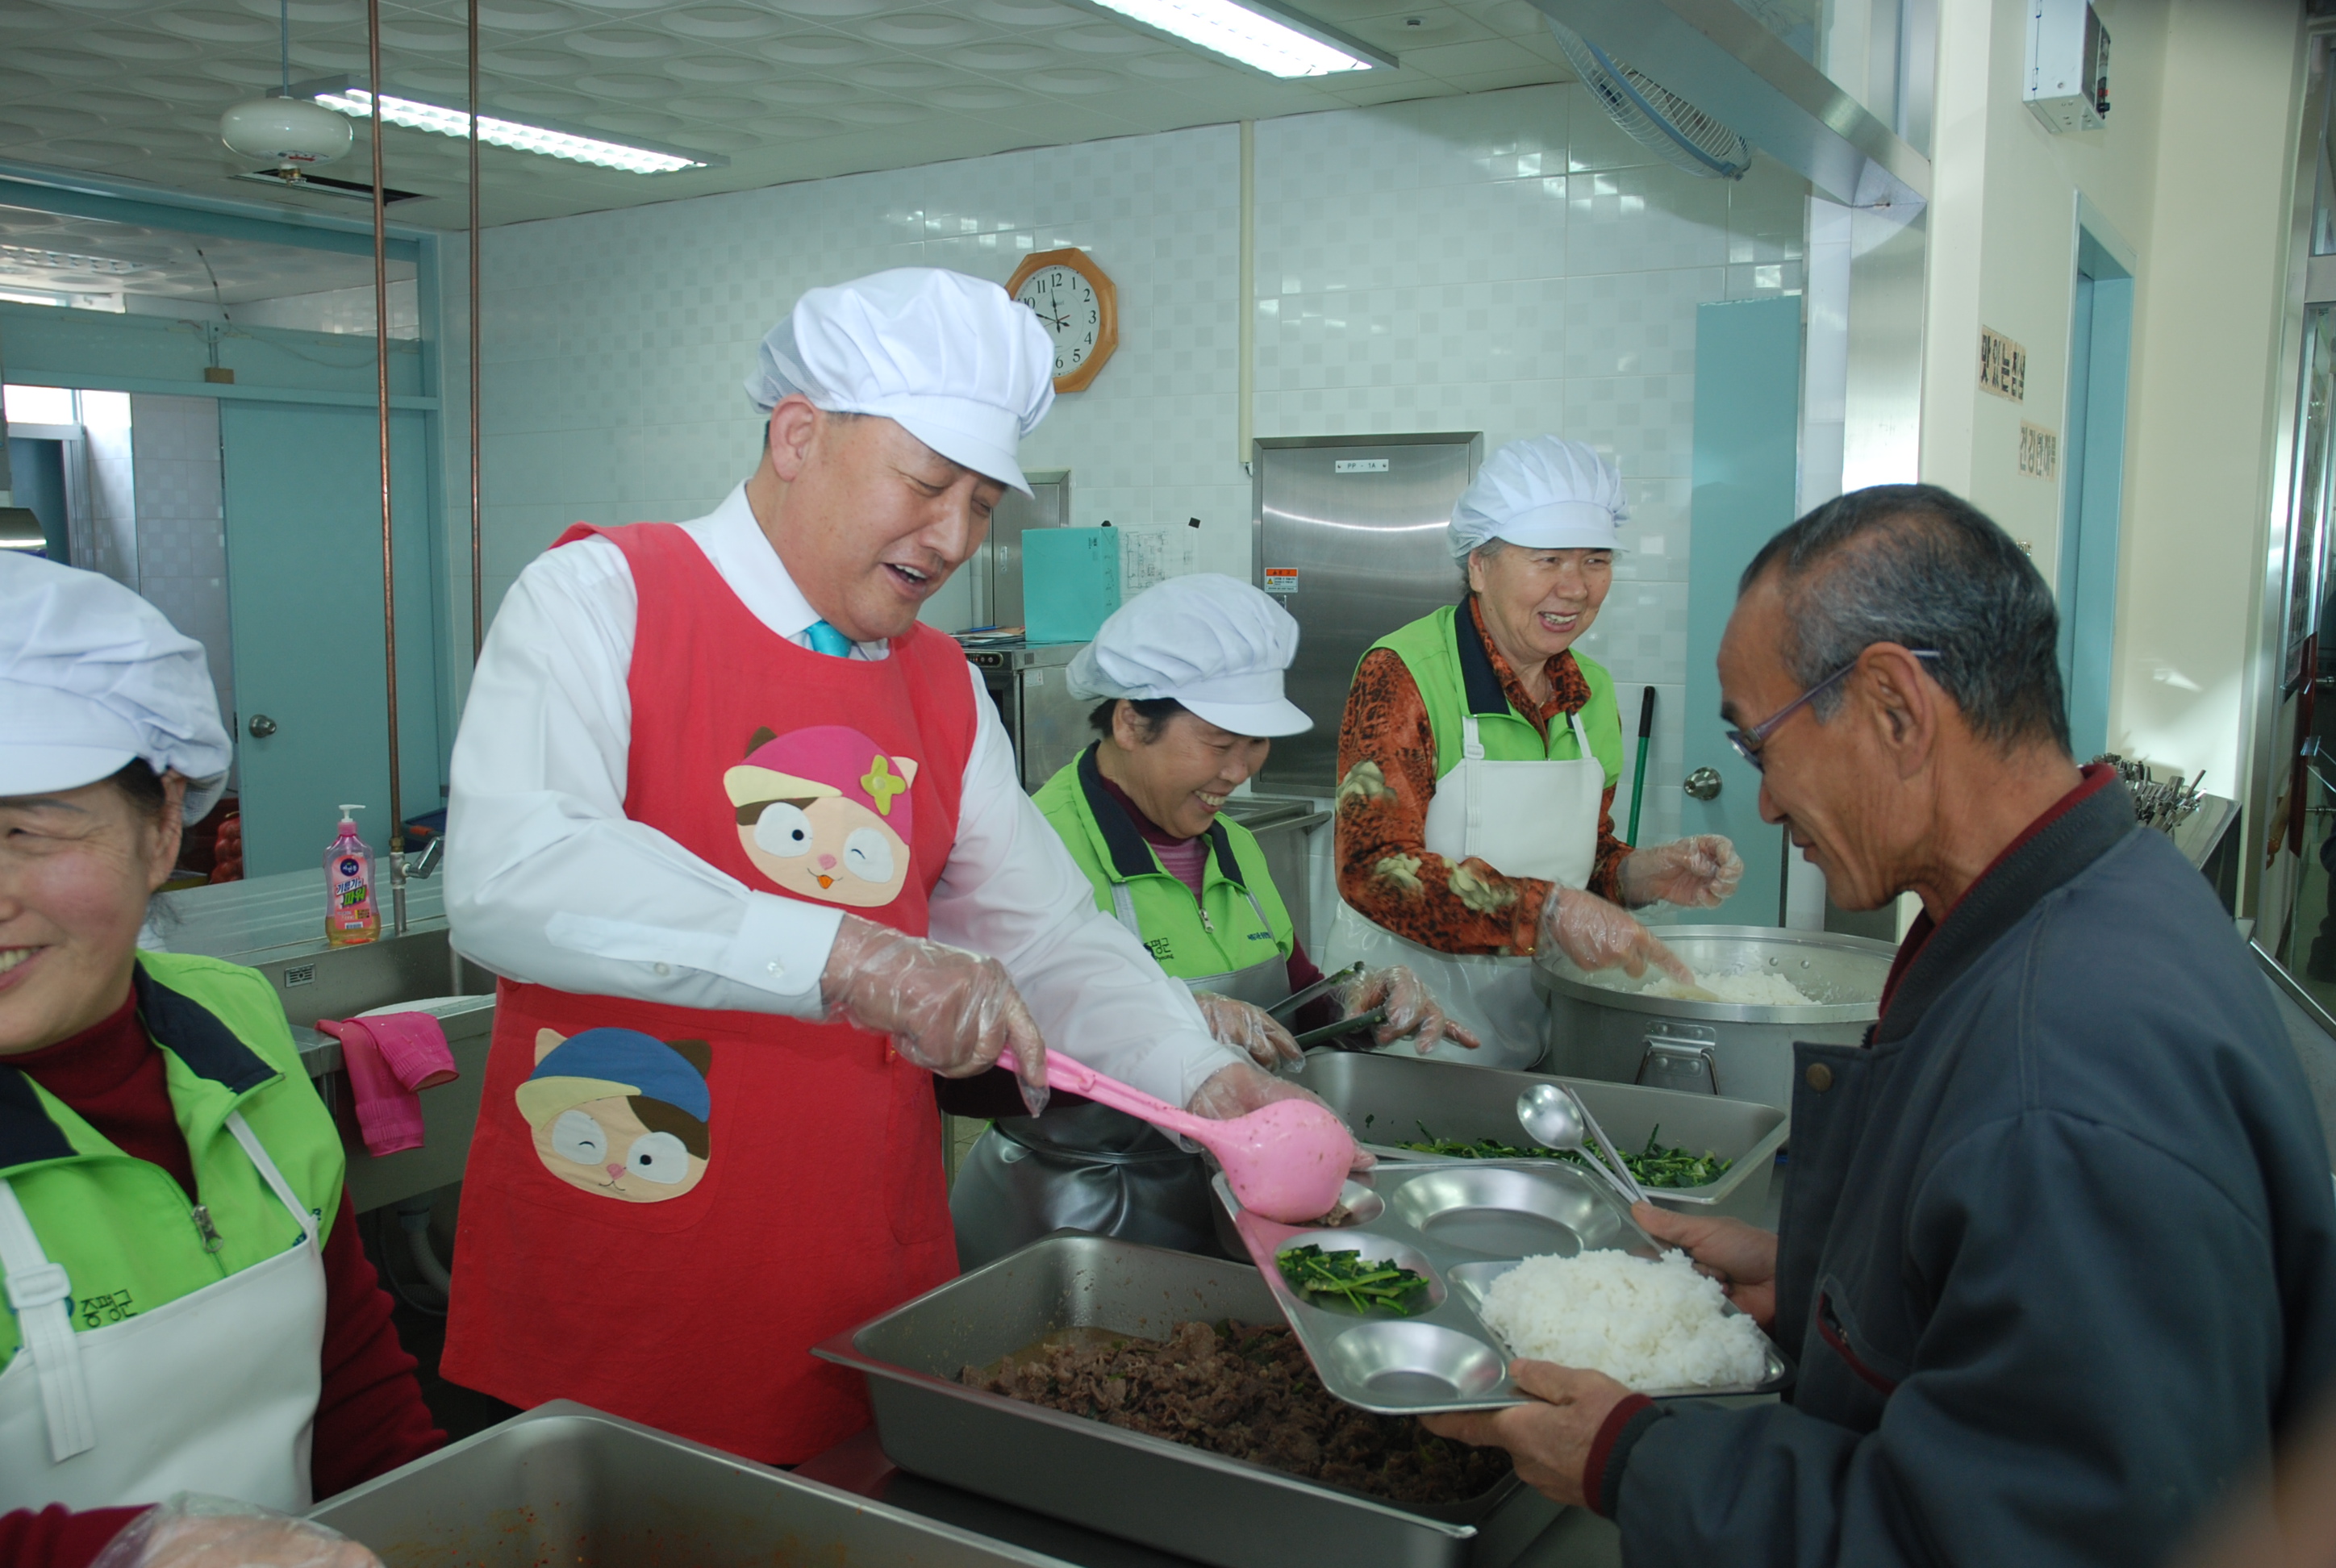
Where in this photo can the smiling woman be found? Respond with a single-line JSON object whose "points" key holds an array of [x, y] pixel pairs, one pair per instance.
{"points": [[164, 1143], [1478, 760]]}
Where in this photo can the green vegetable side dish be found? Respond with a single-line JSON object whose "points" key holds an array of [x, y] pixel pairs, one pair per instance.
{"points": [[1355, 1280], [1655, 1165]]}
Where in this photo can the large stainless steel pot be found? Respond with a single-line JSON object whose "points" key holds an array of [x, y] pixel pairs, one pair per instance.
{"points": [[1597, 1030]]}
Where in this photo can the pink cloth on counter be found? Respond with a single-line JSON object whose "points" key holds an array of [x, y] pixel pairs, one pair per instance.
{"points": [[389, 1057]]}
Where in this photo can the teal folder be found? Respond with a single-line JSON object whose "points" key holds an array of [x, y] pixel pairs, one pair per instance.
{"points": [[1070, 582]]}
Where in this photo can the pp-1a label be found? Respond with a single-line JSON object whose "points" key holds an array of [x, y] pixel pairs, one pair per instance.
{"points": [[1359, 465]]}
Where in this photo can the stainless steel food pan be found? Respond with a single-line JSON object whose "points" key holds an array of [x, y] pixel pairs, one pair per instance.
{"points": [[1385, 1098], [1172, 1498], [1462, 1223], [1608, 1028], [565, 1484]]}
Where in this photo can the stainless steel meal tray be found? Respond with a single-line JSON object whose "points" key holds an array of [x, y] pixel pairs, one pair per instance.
{"points": [[566, 1484], [1462, 1223], [1197, 1504], [1385, 1097]]}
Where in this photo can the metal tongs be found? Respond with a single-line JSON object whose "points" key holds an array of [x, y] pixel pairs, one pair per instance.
{"points": [[1287, 1009], [1552, 1117]]}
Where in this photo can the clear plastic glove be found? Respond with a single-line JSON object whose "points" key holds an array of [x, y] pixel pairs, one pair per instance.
{"points": [[1410, 1009], [191, 1530], [1697, 872], [1251, 1030], [948, 1010], [1238, 1090], [1597, 935]]}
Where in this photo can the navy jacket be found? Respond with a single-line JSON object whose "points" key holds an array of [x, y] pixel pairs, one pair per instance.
{"points": [[2058, 1253]]}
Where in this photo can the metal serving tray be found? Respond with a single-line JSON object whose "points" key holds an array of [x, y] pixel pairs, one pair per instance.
{"points": [[1384, 1096], [1463, 1223], [565, 1484], [1172, 1498]]}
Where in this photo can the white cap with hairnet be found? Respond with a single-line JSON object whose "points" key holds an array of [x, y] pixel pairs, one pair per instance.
{"points": [[1211, 642], [1544, 493], [92, 676], [955, 361]]}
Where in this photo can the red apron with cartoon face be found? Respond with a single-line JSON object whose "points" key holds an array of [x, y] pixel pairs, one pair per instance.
{"points": [[666, 1207]]}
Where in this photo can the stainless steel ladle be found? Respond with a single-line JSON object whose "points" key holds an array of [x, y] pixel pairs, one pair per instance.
{"points": [[1555, 1119]]}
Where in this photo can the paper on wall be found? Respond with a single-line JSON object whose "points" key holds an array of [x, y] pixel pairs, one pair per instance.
{"points": [[1154, 555]]}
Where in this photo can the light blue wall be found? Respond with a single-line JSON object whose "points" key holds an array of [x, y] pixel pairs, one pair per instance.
{"points": [[1747, 383], [2093, 473]]}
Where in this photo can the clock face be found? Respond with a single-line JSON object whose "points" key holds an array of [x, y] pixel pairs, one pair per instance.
{"points": [[1066, 304]]}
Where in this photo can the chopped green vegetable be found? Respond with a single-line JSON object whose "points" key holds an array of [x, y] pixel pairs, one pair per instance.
{"points": [[1356, 1279], [1655, 1165]]}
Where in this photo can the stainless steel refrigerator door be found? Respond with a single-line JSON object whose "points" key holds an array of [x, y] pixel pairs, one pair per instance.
{"points": [[998, 569], [1054, 724], [1361, 521]]}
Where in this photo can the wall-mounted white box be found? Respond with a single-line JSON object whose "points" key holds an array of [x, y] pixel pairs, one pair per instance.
{"points": [[2067, 85]]}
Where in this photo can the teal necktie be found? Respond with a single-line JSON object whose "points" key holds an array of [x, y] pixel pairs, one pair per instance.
{"points": [[826, 639]]}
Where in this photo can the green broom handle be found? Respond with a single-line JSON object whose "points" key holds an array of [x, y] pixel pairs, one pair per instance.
{"points": [[1638, 778]]}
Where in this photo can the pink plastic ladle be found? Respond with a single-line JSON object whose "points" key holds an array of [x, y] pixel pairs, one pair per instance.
{"points": [[1286, 1161]]}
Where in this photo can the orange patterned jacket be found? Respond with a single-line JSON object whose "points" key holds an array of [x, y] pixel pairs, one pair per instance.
{"points": [[1386, 777]]}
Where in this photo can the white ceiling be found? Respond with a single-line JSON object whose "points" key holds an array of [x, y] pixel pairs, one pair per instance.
{"points": [[785, 89]]}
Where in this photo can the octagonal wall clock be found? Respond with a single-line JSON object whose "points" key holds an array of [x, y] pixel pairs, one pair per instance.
{"points": [[1075, 300]]}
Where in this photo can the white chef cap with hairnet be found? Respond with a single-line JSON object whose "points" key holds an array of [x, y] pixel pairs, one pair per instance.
{"points": [[1211, 642], [92, 676], [1544, 493], [955, 361]]}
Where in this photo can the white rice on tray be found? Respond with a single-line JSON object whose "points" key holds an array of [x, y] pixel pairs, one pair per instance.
{"points": [[1645, 1322]]}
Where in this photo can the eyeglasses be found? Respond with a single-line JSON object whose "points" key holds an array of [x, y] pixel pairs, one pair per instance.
{"points": [[1748, 742]]}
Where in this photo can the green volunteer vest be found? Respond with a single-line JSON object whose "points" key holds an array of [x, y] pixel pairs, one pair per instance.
{"points": [[1454, 670], [1187, 944], [122, 1228]]}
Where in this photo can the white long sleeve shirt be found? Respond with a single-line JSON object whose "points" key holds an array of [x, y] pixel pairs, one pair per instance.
{"points": [[548, 881]]}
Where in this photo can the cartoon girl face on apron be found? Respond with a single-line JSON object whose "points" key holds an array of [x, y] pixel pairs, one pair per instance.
{"points": [[213, 1392], [1524, 819], [1088, 1167]]}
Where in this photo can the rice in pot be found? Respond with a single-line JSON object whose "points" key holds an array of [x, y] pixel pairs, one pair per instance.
{"points": [[1647, 1323]]}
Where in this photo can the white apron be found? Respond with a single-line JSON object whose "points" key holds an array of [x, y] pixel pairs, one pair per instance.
{"points": [[1091, 1168], [214, 1392], [1524, 819]]}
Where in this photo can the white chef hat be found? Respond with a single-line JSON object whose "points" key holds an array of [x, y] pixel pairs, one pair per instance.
{"points": [[1544, 493], [1212, 642], [953, 360], [92, 676]]}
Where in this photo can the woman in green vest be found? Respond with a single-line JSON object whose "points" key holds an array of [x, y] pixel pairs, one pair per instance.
{"points": [[191, 1308], [1478, 758], [1189, 676]]}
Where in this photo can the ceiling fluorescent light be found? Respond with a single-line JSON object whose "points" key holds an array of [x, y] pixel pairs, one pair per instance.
{"points": [[356, 102], [1256, 38]]}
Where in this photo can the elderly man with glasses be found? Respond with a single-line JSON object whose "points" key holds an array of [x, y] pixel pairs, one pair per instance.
{"points": [[2058, 1260]]}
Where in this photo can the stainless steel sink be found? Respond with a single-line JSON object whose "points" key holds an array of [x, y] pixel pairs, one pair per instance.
{"points": [[565, 1484], [276, 925]]}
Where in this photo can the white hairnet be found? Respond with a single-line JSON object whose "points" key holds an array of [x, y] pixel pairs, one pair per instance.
{"points": [[1211, 642], [955, 361], [92, 676], [1544, 493]]}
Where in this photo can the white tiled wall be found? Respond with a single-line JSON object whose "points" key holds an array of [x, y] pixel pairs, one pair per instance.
{"points": [[1505, 262], [181, 541], [112, 486], [348, 310]]}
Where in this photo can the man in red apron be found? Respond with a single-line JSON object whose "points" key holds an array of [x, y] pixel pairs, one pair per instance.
{"points": [[746, 843]]}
